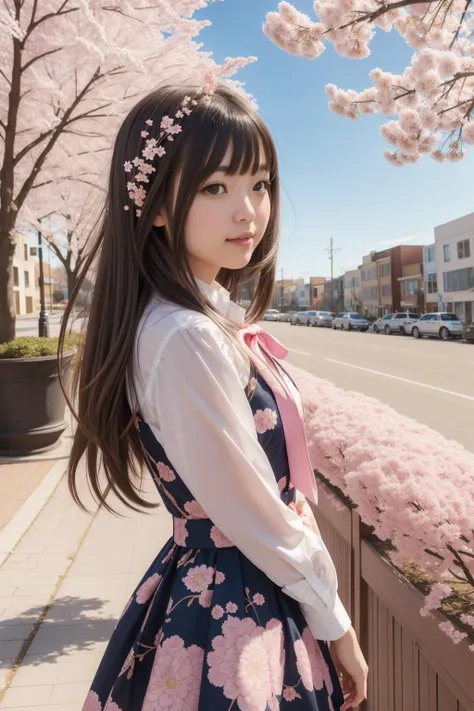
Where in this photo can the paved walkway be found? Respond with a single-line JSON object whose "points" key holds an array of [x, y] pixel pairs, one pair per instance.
{"points": [[61, 592]]}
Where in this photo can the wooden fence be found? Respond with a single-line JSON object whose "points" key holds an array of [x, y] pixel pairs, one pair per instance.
{"points": [[413, 665]]}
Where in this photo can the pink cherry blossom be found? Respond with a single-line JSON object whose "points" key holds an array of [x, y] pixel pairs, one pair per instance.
{"points": [[92, 702], [147, 589], [303, 664], [205, 598], [219, 539], [455, 635], [265, 420], [231, 608], [290, 694], [199, 578], [220, 577], [258, 599], [112, 706], [217, 612], [170, 606], [239, 664], [165, 472], [274, 644], [175, 678], [195, 510], [180, 531], [438, 593]]}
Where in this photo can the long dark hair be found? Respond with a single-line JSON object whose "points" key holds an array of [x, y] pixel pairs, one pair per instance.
{"points": [[132, 260]]}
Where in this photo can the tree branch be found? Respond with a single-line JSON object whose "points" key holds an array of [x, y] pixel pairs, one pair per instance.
{"points": [[38, 57]]}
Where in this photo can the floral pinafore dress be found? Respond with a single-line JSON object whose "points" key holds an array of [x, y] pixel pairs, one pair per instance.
{"points": [[206, 630]]}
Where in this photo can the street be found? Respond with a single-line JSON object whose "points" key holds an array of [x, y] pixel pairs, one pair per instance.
{"points": [[428, 380], [28, 325]]}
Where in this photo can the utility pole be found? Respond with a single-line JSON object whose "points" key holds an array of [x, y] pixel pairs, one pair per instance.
{"points": [[332, 252]]}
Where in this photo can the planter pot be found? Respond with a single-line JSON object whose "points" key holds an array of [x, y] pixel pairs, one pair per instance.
{"points": [[32, 404]]}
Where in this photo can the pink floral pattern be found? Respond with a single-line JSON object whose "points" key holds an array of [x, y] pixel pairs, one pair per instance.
{"points": [[231, 608], [217, 612], [195, 510], [92, 702], [290, 694], [311, 664], [258, 599], [199, 578], [220, 577], [180, 531], [112, 706], [218, 538], [165, 472], [244, 661], [205, 598], [146, 590], [265, 420], [175, 677]]}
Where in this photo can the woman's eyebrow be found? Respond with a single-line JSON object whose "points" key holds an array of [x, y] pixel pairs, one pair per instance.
{"points": [[225, 169]]}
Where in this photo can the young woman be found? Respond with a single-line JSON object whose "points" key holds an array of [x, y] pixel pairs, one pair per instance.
{"points": [[237, 610]]}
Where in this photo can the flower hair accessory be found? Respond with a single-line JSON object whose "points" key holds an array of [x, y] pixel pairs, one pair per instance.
{"points": [[169, 128]]}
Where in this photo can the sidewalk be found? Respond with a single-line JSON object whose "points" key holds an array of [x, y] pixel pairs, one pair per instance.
{"points": [[62, 590]]}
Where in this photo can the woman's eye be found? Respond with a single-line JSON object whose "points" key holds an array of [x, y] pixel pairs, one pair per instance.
{"points": [[261, 186], [214, 189]]}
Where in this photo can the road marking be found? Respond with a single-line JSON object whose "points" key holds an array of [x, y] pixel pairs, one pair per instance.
{"points": [[403, 380], [293, 350]]}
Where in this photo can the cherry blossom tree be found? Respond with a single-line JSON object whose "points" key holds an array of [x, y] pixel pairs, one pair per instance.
{"points": [[69, 71], [432, 100]]}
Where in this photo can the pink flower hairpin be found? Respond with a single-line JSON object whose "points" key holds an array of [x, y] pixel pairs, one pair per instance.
{"points": [[170, 127]]}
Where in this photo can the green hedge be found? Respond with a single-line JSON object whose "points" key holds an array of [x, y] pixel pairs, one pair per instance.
{"points": [[35, 347]]}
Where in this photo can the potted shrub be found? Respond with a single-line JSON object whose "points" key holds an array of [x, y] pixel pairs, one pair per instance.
{"points": [[33, 404]]}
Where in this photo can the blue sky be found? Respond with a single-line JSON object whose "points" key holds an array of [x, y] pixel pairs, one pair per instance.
{"points": [[336, 180]]}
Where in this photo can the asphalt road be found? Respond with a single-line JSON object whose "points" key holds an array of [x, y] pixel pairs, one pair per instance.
{"points": [[429, 380]]}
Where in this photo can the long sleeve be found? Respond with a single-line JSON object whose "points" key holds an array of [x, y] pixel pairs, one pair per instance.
{"points": [[195, 387]]}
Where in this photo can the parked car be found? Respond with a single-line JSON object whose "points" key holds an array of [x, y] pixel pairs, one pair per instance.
{"points": [[286, 316], [350, 321], [441, 325], [322, 319], [301, 318], [271, 315], [395, 323]]}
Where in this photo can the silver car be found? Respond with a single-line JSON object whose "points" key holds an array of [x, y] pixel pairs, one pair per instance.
{"points": [[438, 325], [271, 315], [322, 319], [301, 318], [287, 316], [350, 321], [395, 323]]}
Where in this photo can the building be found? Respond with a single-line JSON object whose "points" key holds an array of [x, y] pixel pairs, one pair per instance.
{"points": [[454, 251], [412, 296], [333, 296], [303, 294], [382, 274], [25, 278], [316, 285], [430, 278], [352, 289]]}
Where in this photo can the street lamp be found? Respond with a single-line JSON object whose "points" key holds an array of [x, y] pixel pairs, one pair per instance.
{"points": [[43, 323]]}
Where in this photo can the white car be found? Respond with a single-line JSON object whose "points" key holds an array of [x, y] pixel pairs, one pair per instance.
{"points": [[350, 322], [395, 323], [439, 325], [271, 315]]}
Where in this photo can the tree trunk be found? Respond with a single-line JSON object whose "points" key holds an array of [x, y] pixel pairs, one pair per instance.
{"points": [[7, 302], [71, 281]]}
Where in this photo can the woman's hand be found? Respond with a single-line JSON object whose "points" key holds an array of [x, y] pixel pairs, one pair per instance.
{"points": [[351, 667]]}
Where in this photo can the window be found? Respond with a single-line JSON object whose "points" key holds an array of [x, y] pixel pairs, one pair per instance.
{"points": [[417, 316], [459, 279], [430, 254], [386, 289], [410, 287], [384, 269], [25, 248], [15, 276], [315, 292], [374, 293], [400, 316], [449, 317], [429, 317], [27, 279], [388, 317], [432, 284], [369, 274], [446, 253], [464, 249]]}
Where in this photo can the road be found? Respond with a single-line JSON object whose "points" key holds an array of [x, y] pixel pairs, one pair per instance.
{"points": [[429, 380], [28, 325]]}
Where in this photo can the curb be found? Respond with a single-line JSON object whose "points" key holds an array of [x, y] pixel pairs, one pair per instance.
{"points": [[24, 517]]}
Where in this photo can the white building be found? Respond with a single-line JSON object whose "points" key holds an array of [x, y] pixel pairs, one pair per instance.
{"points": [[25, 278], [454, 252], [432, 298], [352, 290]]}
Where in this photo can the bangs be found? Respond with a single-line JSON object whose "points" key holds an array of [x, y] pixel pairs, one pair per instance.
{"points": [[222, 127]]}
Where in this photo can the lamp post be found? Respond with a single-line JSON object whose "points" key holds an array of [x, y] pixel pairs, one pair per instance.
{"points": [[43, 323]]}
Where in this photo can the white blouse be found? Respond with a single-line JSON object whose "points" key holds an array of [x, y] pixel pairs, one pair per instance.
{"points": [[190, 380]]}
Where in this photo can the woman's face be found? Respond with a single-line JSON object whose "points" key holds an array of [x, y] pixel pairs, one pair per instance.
{"points": [[227, 220]]}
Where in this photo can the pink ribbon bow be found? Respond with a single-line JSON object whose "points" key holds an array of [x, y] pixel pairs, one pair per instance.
{"points": [[263, 347]]}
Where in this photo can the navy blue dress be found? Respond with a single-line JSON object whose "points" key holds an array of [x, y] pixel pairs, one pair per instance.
{"points": [[206, 630]]}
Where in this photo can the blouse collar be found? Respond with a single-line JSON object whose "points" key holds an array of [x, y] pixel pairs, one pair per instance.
{"points": [[220, 299]]}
